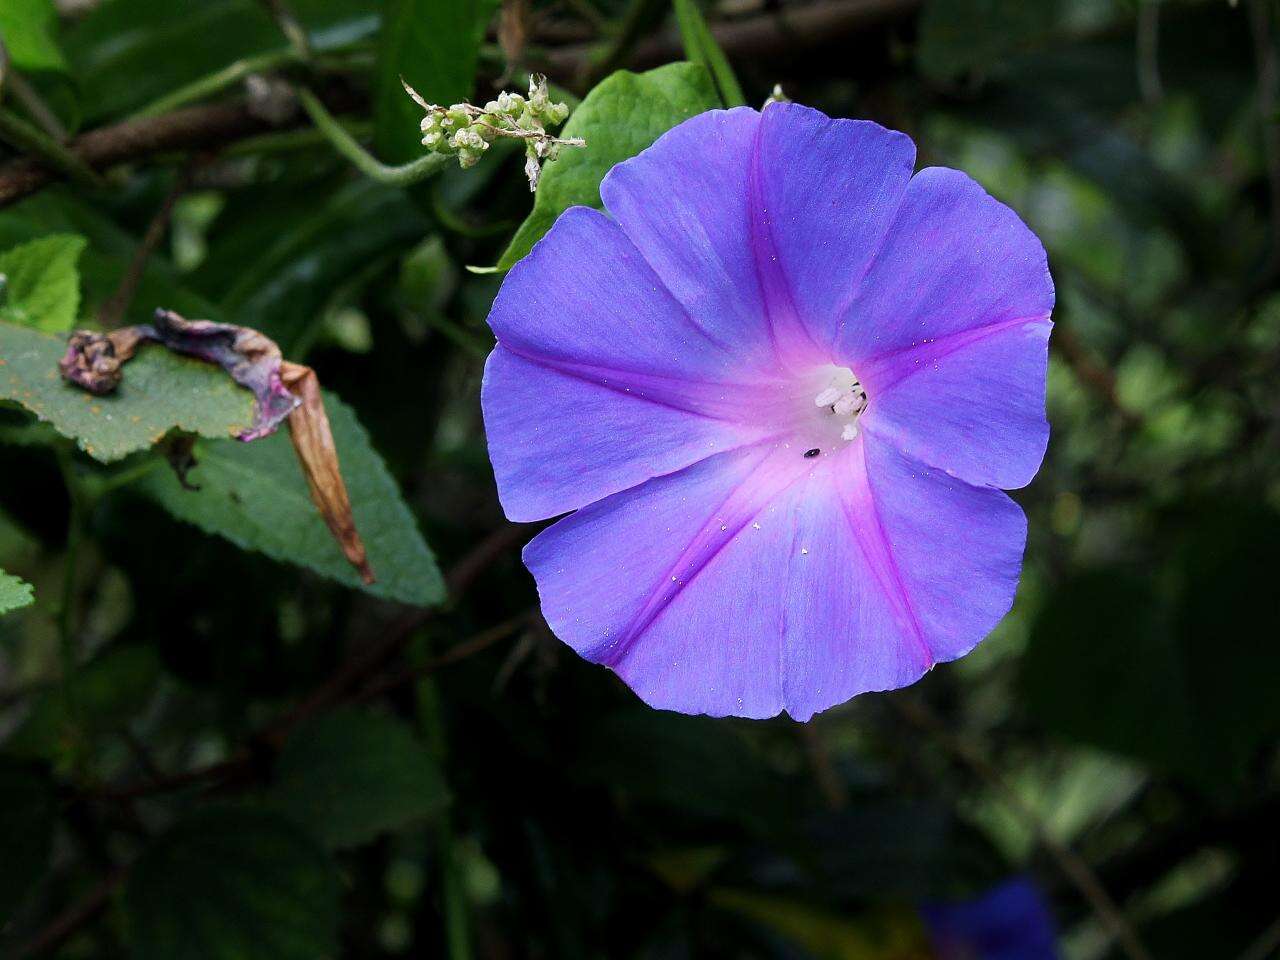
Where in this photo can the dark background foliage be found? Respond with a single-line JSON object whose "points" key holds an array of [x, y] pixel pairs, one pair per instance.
{"points": [[210, 748]]}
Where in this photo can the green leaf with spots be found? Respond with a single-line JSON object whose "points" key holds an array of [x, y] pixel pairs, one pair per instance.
{"points": [[160, 392], [41, 286], [254, 494], [14, 593], [233, 883], [621, 116], [352, 775]]}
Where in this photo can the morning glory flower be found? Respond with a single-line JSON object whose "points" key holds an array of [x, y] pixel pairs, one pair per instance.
{"points": [[1009, 922], [779, 386]]}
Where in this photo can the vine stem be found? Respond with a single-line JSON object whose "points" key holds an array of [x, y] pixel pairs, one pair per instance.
{"points": [[66, 610], [216, 82], [345, 144], [1071, 864], [18, 133]]}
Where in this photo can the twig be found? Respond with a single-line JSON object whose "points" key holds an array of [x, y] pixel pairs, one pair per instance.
{"points": [[1265, 946], [757, 39], [293, 31], [112, 310], [31, 100], [22, 135], [496, 545], [1072, 865], [824, 772], [73, 918], [338, 688], [764, 38], [1091, 373], [1268, 75], [365, 162], [460, 651], [1148, 53], [640, 17], [217, 81], [193, 128]]}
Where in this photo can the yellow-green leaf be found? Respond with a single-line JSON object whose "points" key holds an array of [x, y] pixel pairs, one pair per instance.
{"points": [[41, 286]]}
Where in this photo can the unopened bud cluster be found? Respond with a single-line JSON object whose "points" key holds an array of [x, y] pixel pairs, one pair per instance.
{"points": [[465, 130]]}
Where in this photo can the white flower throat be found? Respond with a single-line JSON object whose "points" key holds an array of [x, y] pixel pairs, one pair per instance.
{"points": [[845, 400]]}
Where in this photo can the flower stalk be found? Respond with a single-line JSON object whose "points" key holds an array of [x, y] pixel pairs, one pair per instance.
{"points": [[465, 131]]}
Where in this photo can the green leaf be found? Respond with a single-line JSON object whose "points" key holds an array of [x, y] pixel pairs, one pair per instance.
{"points": [[110, 252], [621, 116], [15, 593], [233, 884], [99, 698], [701, 47], [254, 494], [435, 47], [29, 28], [28, 809], [41, 283], [351, 775], [160, 391]]}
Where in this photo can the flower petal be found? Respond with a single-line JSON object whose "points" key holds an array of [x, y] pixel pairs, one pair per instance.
{"points": [[560, 438], [600, 380], [921, 569], [948, 331], [757, 581], [585, 294], [685, 201], [618, 579], [971, 404], [825, 194]]}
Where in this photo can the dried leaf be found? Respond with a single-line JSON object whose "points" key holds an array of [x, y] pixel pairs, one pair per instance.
{"points": [[94, 361], [313, 443]]}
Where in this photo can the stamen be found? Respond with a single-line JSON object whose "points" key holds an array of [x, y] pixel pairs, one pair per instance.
{"points": [[846, 400], [827, 397]]}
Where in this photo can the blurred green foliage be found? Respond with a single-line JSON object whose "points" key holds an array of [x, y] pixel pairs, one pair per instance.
{"points": [[216, 742]]}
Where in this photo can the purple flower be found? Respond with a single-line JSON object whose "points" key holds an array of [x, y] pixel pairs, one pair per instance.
{"points": [[779, 385], [1009, 922]]}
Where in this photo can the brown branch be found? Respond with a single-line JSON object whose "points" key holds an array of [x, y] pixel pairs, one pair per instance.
{"points": [[191, 128], [1265, 945], [458, 652], [204, 127], [71, 920], [828, 780], [1091, 373], [1268, 68], [1077, 872], [789, 32], [112, 310]]}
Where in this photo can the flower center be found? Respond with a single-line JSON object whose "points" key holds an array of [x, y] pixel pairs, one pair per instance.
{"points": [[830, 402], [843, 399]]}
